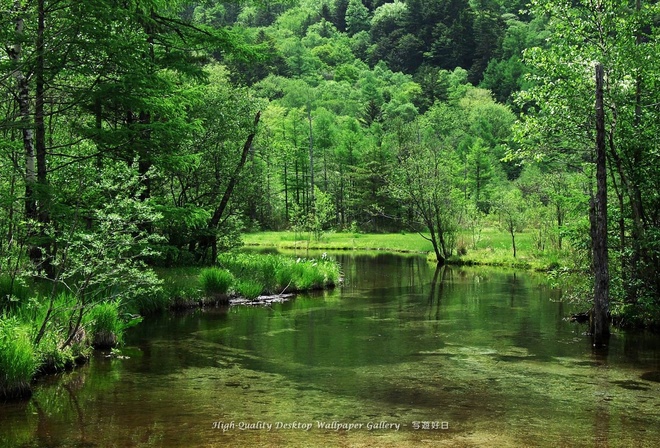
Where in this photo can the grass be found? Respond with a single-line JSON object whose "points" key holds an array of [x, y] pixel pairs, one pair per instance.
{"points": [[107, 326], [18, 361], [494, 247], [215, 281], [250, 289], [392, 242], [279, 273], [12, 292]]}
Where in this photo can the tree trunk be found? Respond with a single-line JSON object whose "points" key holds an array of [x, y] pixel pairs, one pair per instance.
{"points": [[286, 193], [598, 217], [311, 205], [26, 126], [436, 248], [215, 220], [513, 241]]}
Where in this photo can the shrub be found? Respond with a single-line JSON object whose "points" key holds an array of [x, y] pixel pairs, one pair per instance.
{"points": [[215, 281], [18, 362]]}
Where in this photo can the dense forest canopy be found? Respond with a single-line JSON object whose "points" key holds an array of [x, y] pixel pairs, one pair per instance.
{"points": [[154, 131]]}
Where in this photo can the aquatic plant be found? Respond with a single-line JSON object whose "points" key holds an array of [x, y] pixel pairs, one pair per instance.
{"points": [[18, 362]]}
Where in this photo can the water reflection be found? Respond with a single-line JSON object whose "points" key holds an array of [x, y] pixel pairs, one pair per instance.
{"points": [[487, 351]]}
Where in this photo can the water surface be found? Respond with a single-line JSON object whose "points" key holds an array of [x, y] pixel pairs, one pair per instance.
{"points": [[401, 355]]}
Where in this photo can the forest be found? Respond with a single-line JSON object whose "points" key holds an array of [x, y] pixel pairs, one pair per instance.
{"points": [[152, 133]]}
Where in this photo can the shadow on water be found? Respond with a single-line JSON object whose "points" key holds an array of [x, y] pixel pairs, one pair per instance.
{"points": [[485, 351]]}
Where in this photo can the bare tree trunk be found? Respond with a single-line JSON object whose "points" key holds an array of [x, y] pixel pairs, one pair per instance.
{"points": [[512, 231], [598, 216]]}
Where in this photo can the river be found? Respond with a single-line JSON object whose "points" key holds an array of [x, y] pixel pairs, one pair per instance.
{"points": [[400, 355]]}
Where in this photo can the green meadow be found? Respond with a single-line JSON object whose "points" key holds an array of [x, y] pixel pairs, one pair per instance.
{"points": [[493, 247]]}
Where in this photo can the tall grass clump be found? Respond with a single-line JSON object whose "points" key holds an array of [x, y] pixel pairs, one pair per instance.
{"points": [[215, 281], [107, 325], [306, 276], [55, 319], [151, 302], [18, 361], [250, 289], [52, 357], [262, 268], [280, 273]]}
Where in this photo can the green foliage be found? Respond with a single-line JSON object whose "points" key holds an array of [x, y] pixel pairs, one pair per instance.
{"points": [[357, 17], [370, 121], [249, 289], [106, 325], [18, 360], [278, 273], [12, 292], [52, 356], [215, 281]]}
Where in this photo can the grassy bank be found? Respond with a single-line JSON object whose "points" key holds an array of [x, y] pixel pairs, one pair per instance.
{"points": [[391, 242], [243, 275], [44, 335], [492, 248], [495, 248], [29, 348]]}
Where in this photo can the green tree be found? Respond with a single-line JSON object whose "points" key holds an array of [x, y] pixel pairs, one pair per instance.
{"points": [[564, 118], [510, 208], [424, 177], [357, 17]]}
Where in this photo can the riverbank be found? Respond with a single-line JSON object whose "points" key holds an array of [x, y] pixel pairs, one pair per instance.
{"points": [[397, 344], [41, 334], [491, 248]]}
